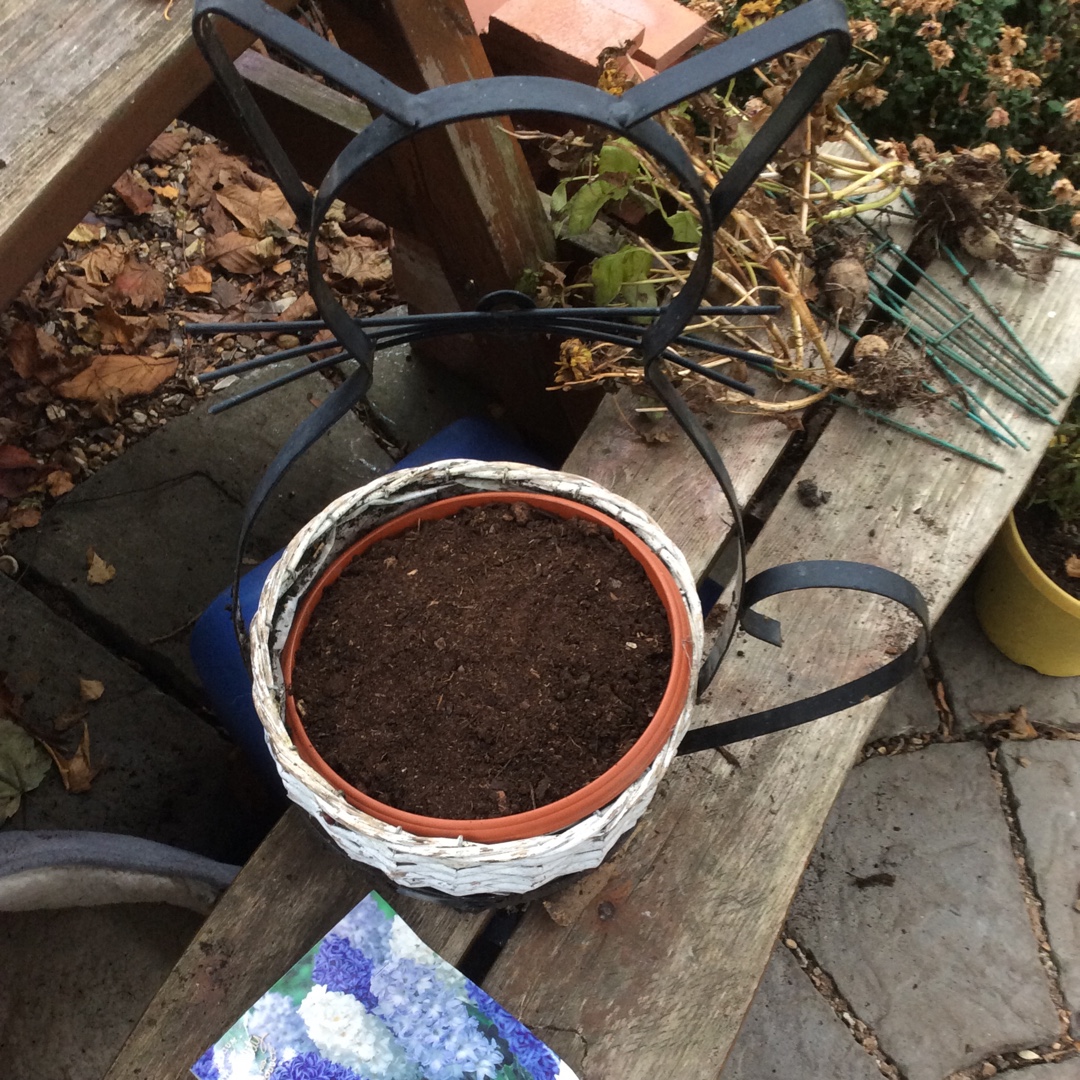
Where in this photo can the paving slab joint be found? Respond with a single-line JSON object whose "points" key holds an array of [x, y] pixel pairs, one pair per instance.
{"points": [[900, 744], [939, 690], [1019, 1061], [163, 675], [1033, 902], [826, 986]]}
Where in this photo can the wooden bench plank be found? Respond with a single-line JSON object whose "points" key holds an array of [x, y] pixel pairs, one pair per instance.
{"points": [[87, 87], [295, 887], [657, 981]]}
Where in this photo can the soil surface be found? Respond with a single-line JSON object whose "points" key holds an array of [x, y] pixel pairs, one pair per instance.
{"points": [[1050, 542], [484, 664]]}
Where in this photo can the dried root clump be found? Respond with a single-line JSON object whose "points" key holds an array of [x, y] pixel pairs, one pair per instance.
{"points": [[964, 201], [889, 371]]}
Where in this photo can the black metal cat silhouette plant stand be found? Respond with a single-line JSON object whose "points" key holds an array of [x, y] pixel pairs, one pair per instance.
{"points": [[650, 331]]}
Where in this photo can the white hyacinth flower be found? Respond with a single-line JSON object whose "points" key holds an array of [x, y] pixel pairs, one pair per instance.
{"points": [[347, 1034]]}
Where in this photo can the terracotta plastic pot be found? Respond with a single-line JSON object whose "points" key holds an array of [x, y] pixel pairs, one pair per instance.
{"points": [[1023, 612], [563, 812], [519, 855]]}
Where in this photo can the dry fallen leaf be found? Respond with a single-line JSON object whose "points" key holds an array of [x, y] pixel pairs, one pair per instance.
{"points": [[234, 252], [59, 482], [257, 209], [116, 375], [86, 234], [136, 197], [98, 571], [78, 295], [1020, 728], [102, 263], [91, 689], [140, 284], [24, 517], [363, 263], [36, 354], [211, 170], [115, 329], [19, 471], [166, 191], [76, 772], [167, 145], [301, 308], [22, 766], [69, 718], [196, 280], [1072, 566]]}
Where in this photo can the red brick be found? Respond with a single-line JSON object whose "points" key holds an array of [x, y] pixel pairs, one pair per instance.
{"points": [[481, 11], [563, 38], [671, 30]]}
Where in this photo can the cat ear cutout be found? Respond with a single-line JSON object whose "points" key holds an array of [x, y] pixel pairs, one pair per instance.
{"points": [[626, 115]]}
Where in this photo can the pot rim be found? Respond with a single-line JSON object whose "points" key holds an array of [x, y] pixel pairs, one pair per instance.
{"points": [[572, 808], [1035, 574]]}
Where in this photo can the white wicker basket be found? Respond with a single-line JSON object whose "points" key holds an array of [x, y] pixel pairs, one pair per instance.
{"points": [[456, 867]]}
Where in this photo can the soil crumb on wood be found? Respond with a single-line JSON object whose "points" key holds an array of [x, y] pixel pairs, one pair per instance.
{"points": [[484, 664], [809, 494]]}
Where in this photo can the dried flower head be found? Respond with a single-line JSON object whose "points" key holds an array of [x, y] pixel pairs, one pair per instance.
{"points": [[753, 13], [998, 65], [870, 96], [998, 118], [924, 148], [754, 106], [862, 30], [1071, 112], [1013, 155], [921, 7], [1021, 79], [929, 29], [1011, 41], [1043, 162], [1051, 50], [892, 148], [1063, 191], [941, 53], [988, 151]]}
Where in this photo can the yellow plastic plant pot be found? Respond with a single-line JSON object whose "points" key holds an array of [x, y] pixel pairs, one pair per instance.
{"points": [[1029, 618]]}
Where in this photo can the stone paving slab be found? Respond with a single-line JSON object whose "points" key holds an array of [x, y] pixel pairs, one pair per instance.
{"points": [[1045, 778], [910, 710], [167, 515], [912, 903], [791, 1030], [167, 774], [414, 400], [76, 981], [981, 679]]}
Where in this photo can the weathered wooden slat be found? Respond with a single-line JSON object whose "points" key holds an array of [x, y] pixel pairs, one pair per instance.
{"points": [[655, 972], [313, 122], [290, 893], [86, 88]]}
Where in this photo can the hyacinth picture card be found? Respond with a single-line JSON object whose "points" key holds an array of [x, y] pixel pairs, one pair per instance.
{"points": [[372, 1002]]}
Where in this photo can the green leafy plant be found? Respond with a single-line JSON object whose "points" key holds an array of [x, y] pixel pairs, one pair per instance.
{"points": [[1057, 483], [970, 72]]}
